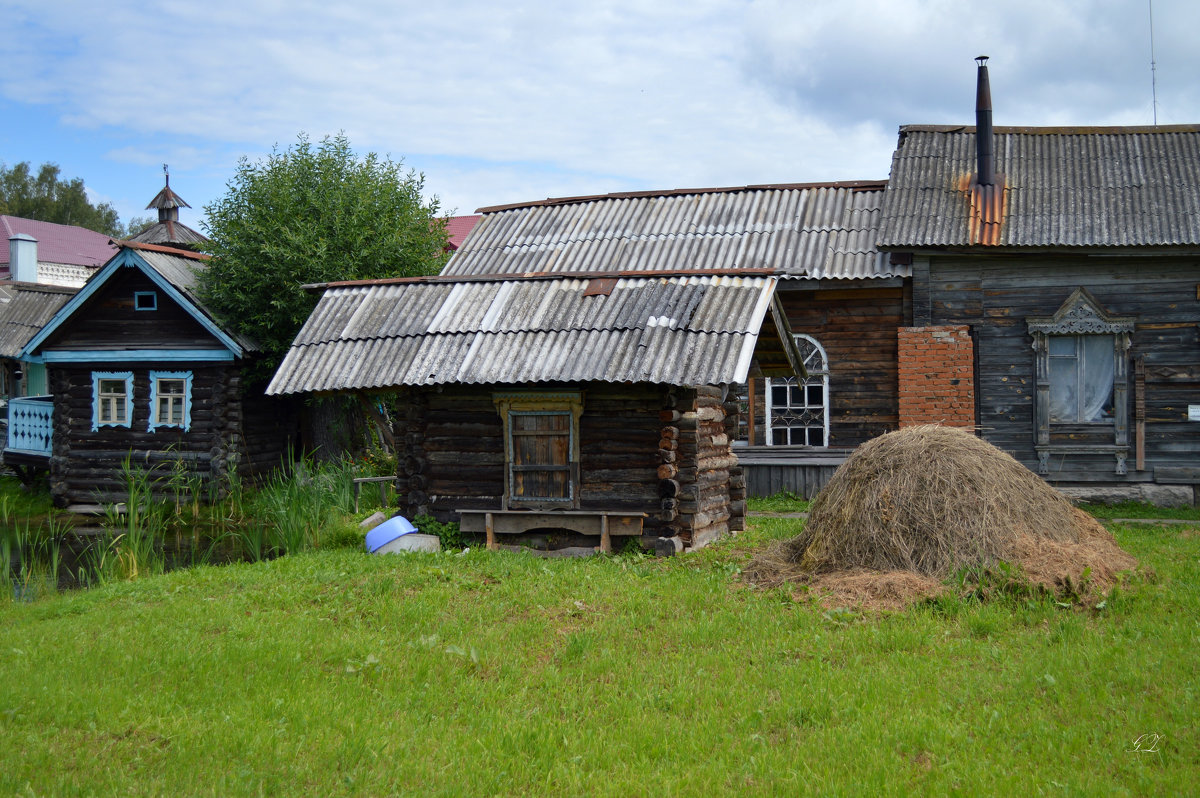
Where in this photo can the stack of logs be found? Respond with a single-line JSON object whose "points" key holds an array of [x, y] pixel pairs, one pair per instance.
{"points": [[701, 485]]}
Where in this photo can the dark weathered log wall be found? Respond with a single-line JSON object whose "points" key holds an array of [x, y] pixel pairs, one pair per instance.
{"points": [[86, 466], [109, 321], [643, 448], [857, 327], [995, 295], [226, 431]]}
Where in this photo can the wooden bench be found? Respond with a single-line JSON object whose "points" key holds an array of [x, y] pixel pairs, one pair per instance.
{"points": [[587, 522], [383, 485]]}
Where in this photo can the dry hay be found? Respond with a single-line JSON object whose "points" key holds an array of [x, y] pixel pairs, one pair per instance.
{"points": [[930, 501]]}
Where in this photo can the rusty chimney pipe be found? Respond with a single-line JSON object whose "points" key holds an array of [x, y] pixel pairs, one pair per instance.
{"points": [[984, 153]]}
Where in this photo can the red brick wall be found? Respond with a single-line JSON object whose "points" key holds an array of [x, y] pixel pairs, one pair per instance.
{"points": [[937, 384]]}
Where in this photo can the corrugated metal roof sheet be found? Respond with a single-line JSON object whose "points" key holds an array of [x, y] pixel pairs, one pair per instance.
{"points": [[813, 231], [677, 330], [1064, 187], [58, 243], [24, 309]]}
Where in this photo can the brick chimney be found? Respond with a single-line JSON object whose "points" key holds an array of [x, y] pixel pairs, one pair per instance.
{"points": [[22, 258]]}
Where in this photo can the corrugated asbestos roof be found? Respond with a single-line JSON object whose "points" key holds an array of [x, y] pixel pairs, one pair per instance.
{"points": [[677, 330], [24, 309], [802, 230], [1063, 187]]}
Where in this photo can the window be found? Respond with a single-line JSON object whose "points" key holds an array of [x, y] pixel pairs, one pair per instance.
{"points": [[112, 399], [798, 410], [1081, 378], [170, 399], [145, 300], [541, 436], [1081, 401]]}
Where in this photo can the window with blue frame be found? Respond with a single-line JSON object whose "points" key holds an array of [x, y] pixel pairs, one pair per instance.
{"points": [[145, 300], [112, 399], [170, 399]]}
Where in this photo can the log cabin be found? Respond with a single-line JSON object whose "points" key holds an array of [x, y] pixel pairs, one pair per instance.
{"points": [[139, 369], [558, 410], [843, 298], [1055, 296]]}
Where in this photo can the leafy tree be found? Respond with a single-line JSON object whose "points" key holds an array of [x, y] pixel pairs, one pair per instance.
{"points": [[48, 197], [137, 224], [312, 214]]}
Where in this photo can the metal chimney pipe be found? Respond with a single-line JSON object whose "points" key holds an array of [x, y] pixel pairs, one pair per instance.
{"points": [[22, 258], [984, 152]]}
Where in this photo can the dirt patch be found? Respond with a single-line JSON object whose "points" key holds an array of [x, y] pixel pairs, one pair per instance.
{"points": [[911, 508]]}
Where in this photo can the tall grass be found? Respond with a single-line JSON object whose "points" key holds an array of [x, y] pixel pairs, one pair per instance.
{"points": [[298, 509], [173, 518], [30, 547]]}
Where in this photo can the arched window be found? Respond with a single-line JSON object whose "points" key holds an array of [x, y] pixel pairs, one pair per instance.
{"points": [[798, 410]]}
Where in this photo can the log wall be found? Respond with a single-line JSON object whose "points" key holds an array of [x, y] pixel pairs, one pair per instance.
{"points": [[994, 295], [654, 449], [857, 328], [226, 432]]}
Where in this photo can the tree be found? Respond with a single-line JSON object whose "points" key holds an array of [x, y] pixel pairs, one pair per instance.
{"points": [[312, 214], [137, 224], [49, 198]]}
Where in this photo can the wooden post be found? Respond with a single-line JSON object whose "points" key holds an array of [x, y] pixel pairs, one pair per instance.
{"points": [[750, 411], [605, 538], [1139, 412], [490, 531]]}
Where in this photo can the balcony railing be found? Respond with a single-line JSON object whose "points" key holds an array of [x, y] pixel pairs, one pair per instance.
{"points": [[30, 425]]}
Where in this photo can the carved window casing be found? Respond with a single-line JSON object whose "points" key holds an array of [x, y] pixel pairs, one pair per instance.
{"points": [[798, 409], [1082, 358]]}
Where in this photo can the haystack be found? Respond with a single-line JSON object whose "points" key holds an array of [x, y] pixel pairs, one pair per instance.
{"points": [[929, 501]]}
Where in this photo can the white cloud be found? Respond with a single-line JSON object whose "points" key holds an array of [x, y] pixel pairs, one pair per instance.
{"points": [[524, 100]]}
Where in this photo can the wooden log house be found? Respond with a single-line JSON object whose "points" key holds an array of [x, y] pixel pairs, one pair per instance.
{"points": [[139, 369], [1056, 296], [557, 410], [844, 299]]}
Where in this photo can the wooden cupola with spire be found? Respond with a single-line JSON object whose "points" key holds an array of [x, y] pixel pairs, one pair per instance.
{"points": [[169, 231]]}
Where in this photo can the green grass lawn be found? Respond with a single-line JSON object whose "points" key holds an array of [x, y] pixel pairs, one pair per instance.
{"points": [[334, 672]]}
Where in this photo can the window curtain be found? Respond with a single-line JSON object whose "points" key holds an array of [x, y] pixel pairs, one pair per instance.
{"points": [[1096, 377]]}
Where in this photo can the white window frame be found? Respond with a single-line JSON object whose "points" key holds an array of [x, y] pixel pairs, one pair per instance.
{"points": [[816, 361], [99, 400], [156, 419]]}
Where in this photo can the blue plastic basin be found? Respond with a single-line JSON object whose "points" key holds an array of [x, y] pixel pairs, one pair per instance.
{"points": [[389, 530]]}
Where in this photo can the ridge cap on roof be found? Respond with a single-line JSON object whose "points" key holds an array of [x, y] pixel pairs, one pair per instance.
{"points": [[853, 185], [1055, 130], [183, 253], [434, 279]]}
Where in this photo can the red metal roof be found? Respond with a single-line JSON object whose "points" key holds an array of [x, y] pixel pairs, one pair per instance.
{"points": [[58, 243], [458, 227]]}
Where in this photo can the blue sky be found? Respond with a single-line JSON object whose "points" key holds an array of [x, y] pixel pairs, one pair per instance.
{"points": [[499, 103]]}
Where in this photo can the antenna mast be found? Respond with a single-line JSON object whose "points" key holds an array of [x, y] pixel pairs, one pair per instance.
{"points": [[1153, 67]]}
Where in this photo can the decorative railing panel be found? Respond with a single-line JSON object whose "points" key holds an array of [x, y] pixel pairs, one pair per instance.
{"points": [[30, 425]]}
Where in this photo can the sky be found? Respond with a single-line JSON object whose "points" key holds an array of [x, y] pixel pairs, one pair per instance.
{"points": [[503, 102]]}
